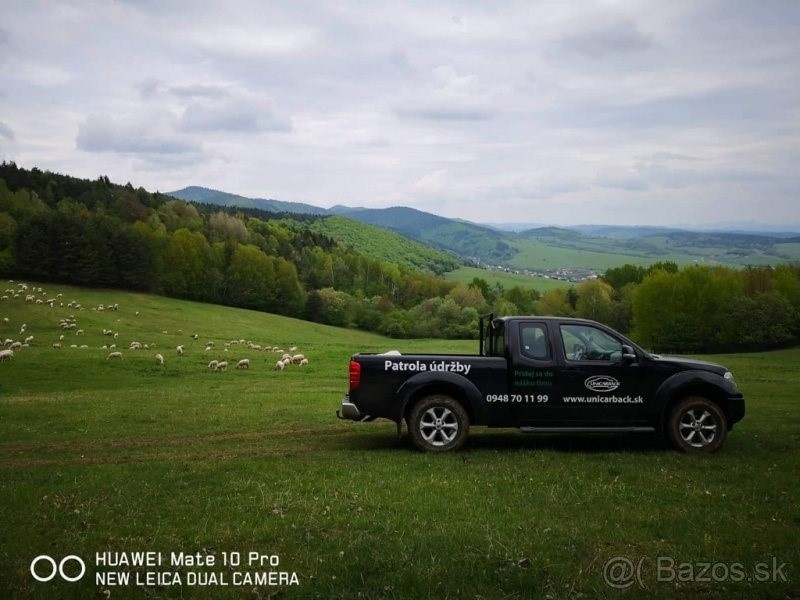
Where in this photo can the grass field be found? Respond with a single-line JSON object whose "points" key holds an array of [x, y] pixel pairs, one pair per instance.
{"points": [[124, 456], [507, 280]]}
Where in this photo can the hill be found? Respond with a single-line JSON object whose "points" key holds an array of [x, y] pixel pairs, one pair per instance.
{"points": [[468, 240], [384, 244], [209, 196], [584, 249], [547, 248]]}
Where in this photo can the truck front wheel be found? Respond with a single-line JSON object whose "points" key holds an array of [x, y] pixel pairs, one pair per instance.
{"points": [[438, 423], [697, 425]]}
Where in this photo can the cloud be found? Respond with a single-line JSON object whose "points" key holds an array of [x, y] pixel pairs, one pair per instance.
{"points": [[41, 74], [233, 114], [617, 38], [447, 95], [198, 91], [621, 179], [143, 135], [6, 132], [445, 113]]}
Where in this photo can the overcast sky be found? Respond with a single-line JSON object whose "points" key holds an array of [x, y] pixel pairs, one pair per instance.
{"points": [[615, 112]]}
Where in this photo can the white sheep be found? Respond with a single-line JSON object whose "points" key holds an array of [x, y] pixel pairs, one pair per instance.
{"points": [[221, 366], [293, 349], [135, 346], [56, 346], [304, 362], [159, 359], [297, 358], [279, 366], [79, 332], [114, 355], [6, 355], [16, 346], [213, 364], [243, 364], [29, 339], [180, 350]]}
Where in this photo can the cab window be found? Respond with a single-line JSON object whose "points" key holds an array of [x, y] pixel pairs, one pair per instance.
{"points": [[587, 343], [534, 342]]}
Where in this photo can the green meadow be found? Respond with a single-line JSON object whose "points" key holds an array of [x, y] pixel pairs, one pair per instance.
{"points": [[105, 457]]}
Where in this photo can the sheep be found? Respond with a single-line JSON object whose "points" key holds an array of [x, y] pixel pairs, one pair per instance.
{"points": [[180, 350], [286, 362], [6, 355], [209, 344], [114, 355], [29, 339], [195, 336], [79, 332], [56, 346], [221, 366], [243, 364], [297, 358], [16, 346], [159, 359], [304, 362], [279, 366], [135, 346], [293, 349], [213, 364]]}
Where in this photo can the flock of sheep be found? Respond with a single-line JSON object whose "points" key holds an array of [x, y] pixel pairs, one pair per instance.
{"points": [[69, 325]]}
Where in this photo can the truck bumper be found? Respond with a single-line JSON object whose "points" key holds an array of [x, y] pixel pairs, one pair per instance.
{"points": [[735, 409], [349, 410]]}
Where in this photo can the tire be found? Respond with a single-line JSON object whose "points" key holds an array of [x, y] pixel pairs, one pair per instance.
{"points": [[697, 425], [438, 423]]}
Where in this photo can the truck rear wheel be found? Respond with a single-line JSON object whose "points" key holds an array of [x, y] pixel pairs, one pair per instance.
{"points": [[697, 425], [438, 423]]}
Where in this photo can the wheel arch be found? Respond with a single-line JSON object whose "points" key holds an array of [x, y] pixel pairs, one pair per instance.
{"points": [[458, 387], [684, 385]]}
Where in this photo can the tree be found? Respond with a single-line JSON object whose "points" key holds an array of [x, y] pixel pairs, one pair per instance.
{"points": [[594, 300], [250, 279]]}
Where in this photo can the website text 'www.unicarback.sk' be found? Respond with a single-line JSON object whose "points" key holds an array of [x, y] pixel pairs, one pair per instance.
{"points": [[603, 399]]}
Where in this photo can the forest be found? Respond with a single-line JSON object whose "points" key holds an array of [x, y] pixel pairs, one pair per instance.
{"points": [[96, 233]]}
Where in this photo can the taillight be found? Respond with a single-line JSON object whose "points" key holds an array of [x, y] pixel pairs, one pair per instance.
{"points": [[355, 375]]}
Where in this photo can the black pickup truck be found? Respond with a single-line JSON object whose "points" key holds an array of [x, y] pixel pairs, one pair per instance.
{"points": [[546, 374]]}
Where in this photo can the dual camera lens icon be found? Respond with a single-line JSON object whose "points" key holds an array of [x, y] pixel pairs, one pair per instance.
{"points": [[44, 568]]}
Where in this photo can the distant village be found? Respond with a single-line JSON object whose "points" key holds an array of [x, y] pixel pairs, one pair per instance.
{"points": [[574, 275]]}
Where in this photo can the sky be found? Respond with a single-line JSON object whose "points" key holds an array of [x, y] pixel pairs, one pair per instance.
{"points": [[629, 112]]}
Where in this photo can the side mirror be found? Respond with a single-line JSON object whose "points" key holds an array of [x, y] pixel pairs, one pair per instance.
{"points": [[628, 355]]}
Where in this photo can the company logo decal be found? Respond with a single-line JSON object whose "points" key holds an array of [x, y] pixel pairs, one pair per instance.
{"points": [[601, 383]]}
